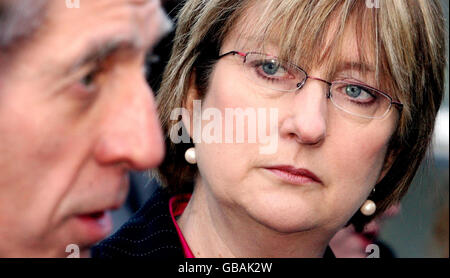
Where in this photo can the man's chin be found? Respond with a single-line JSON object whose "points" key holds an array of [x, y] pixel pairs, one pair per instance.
{"points": [[78, 234], [92, 228]]}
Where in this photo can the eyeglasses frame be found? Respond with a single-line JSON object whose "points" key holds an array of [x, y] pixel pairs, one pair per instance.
{"points": [[397, 104]]}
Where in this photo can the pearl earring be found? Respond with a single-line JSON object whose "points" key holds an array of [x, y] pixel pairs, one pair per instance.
{"points": [[369, 207], [189, 155]]}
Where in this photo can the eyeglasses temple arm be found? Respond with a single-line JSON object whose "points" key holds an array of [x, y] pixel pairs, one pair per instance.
{"points": [[399, 105], [232, 52]]}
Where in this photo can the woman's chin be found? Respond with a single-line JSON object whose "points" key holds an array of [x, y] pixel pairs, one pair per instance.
{"points": [[281, 221], [287, 227], [284, 214]]}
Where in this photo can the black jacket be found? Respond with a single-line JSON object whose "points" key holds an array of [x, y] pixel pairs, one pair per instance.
{"points": [[149, 233]]}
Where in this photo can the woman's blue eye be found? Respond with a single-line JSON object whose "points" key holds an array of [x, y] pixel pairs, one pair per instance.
{"points": [[270, 68], [353, 91], [358, 93]]}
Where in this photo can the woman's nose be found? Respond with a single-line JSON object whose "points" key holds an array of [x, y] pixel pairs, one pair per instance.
{"points": [[306, 121]]}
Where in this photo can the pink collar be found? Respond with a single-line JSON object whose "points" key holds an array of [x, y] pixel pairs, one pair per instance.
{"points": [[177, 204]]}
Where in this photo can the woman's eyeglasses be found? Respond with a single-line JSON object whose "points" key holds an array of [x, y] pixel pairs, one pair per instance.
{"points": [[351, 97]]}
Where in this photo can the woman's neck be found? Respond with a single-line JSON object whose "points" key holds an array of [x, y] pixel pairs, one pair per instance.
{"points": [[217, 229]]}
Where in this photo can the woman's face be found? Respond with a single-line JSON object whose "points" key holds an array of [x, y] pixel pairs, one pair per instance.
{"points": [[344, 152]]}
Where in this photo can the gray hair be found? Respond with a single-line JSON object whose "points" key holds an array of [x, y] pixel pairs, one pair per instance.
{"points": [[19, 19]]}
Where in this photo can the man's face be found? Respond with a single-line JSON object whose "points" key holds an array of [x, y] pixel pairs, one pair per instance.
{"points": [[76, 115]]}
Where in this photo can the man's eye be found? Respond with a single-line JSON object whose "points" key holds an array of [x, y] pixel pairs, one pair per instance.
{"points": [[88, 80]]}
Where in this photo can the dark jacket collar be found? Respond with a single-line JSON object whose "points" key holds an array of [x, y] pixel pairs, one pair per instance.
{"points": [[149, 233]]}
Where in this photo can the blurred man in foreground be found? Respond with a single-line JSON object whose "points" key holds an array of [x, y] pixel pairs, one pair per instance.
{"points": [[76, 115]]}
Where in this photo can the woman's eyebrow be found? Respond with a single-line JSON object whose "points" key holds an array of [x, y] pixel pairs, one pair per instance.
{"points": [[355, 66]]}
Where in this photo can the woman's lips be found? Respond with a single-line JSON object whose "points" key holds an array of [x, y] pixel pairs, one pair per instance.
{"points": [[292, 175]]}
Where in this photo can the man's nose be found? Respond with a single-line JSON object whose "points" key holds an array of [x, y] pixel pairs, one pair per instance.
{"points": [[307, 119], [132, 134]]}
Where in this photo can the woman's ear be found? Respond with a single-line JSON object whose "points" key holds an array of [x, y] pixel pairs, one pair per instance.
{"points": [[389, 161], [192, 93], [188, 103]]}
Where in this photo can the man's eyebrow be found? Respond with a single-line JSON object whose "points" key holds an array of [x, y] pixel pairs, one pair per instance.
{"points": [[98, 50]]}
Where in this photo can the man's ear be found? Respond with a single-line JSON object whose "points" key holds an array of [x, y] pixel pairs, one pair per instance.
{"points": [[188, 103]]}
